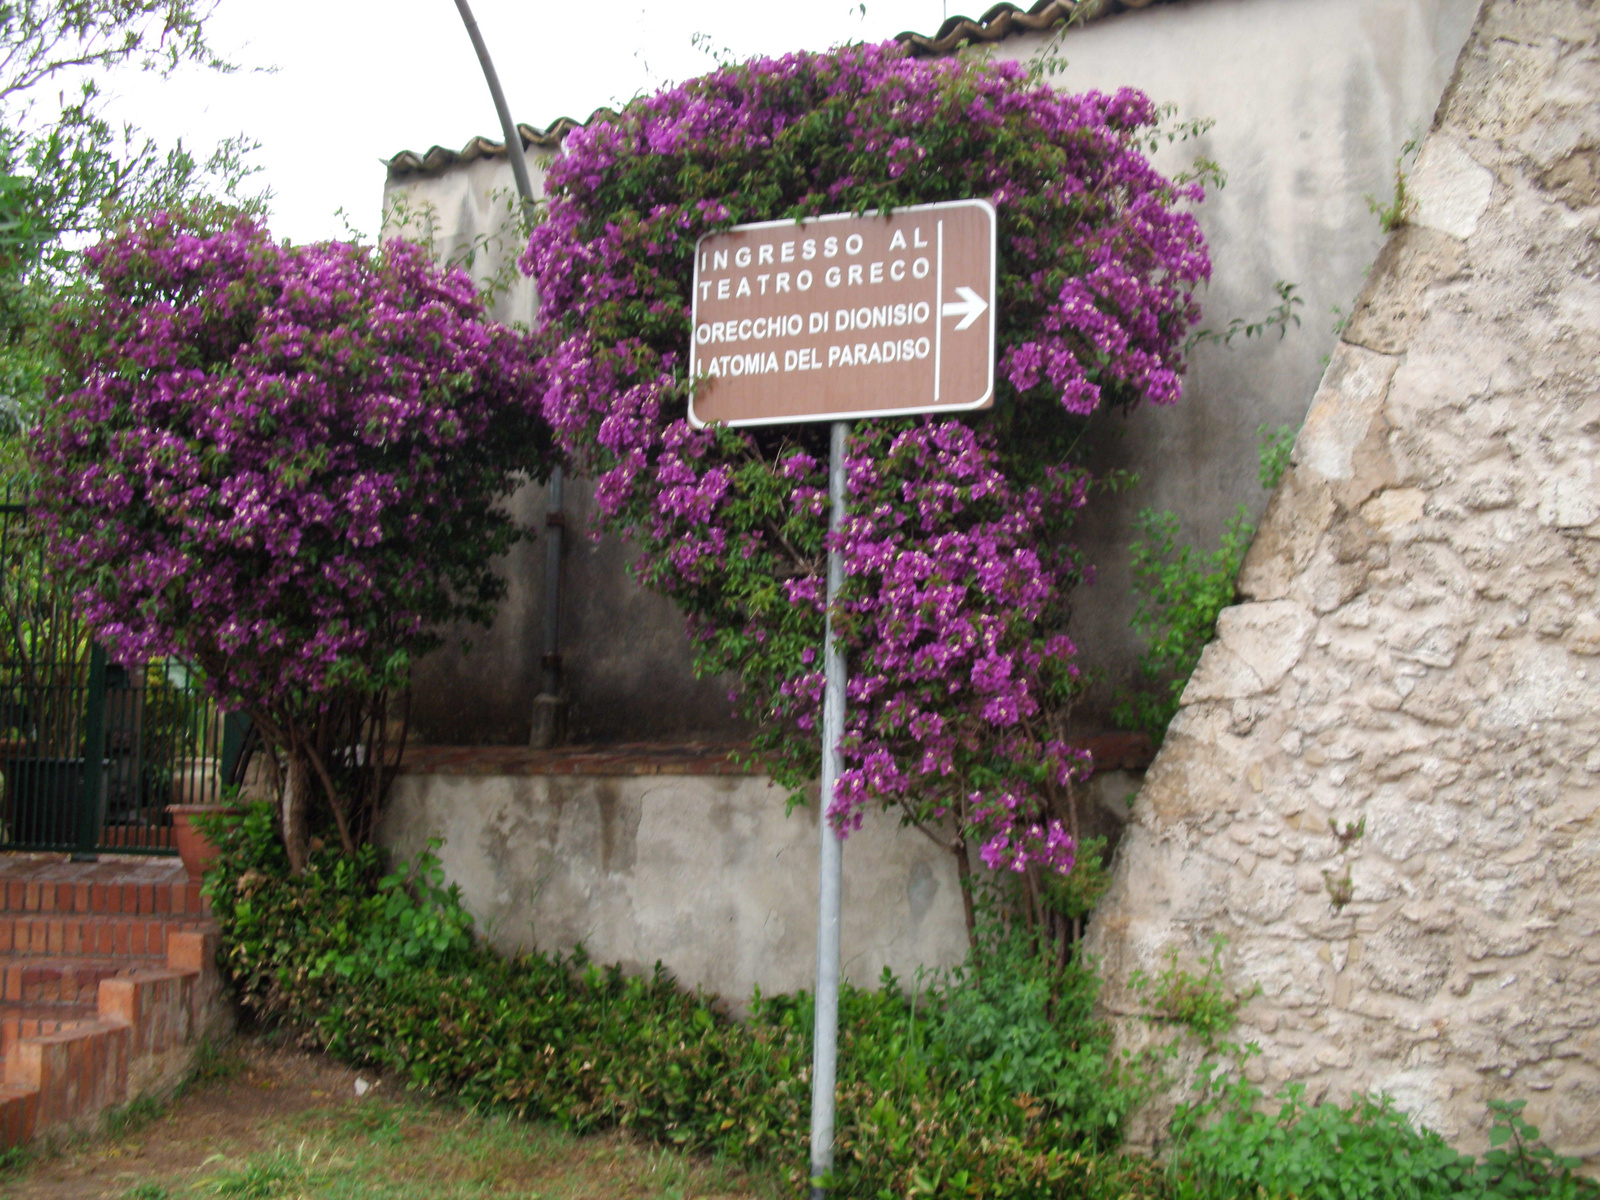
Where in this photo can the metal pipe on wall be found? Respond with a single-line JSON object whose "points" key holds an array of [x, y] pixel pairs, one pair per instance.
{"points": [[549, 707]]}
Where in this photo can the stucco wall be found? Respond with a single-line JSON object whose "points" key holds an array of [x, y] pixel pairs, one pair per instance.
{"points": [[1313, 100], [627, 664], [702, 872], [1418, 651]]}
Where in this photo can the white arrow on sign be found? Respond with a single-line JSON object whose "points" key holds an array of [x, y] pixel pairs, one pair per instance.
{"points": [[970, 307]]}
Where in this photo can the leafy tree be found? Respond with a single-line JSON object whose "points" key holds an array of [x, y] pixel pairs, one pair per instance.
{"points": [[282, 464], [67, 173]]}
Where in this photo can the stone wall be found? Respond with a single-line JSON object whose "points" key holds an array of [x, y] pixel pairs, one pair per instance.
{"points": [[1419, 650]]}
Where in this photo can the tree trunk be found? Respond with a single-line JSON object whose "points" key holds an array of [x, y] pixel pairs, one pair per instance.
{"points": [[296, 793]]}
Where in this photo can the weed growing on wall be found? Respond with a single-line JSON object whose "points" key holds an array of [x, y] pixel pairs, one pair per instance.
{"points": [[1275, 447], [1201, 1003], [1394, 210], [1179, 592]]}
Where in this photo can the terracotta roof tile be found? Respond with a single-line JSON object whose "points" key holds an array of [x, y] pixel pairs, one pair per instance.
{"points": [[1000, 22], [1004, 20]]}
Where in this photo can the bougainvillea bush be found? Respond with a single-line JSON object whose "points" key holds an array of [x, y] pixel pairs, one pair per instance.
{"points": [[957, 549], [282, 463]]}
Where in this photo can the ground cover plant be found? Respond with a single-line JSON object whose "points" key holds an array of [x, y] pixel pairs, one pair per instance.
{"points": [[1228, 1146], [957, 550], [934, 1095], [282, 464], [994, 1081]]}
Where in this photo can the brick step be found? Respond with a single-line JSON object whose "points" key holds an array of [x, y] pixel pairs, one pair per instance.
{"points": [[84, 1057], [74, 934], [138, 837], [73, 1072], [128, 899], [19, 1114], [30, 1020], [57, 980]]}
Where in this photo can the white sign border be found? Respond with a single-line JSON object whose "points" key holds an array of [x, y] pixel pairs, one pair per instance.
{"points": [[994, 256]]}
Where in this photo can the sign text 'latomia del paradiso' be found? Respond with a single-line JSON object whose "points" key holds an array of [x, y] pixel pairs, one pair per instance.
{"points": [[845, 316]]}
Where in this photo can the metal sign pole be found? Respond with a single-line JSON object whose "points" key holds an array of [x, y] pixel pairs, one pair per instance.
{"points": [[825, 1040], [775, 342]]}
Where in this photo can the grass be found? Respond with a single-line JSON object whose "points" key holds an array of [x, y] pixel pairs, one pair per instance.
{"points": [[406, 1150], [288, 1127]]}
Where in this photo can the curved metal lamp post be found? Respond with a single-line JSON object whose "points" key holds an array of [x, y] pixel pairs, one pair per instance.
{"points": [[549, 709]]}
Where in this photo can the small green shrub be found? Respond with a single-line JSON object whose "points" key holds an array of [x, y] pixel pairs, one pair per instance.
{"points": [[1227, 1149], [1201, 1003], [1179, 592], [1365, 1150], [1026, 1029], [381, 970], [1517, 1166]]}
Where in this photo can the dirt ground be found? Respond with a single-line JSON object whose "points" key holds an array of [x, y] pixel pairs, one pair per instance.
{"points": [[264, 1121]]}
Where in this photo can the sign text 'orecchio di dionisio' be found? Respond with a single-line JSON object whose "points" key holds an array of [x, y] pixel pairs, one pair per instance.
{"points": [[845, 316]]}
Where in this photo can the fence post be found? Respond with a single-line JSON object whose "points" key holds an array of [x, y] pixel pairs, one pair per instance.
{"points": [[91, 791], [234, 728]]}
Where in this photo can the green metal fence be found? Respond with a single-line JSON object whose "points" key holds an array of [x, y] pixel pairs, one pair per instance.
{"points": [[92, 752]]}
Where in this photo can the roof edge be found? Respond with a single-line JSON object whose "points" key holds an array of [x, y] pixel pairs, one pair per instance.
{"points": [[1002, 21]]}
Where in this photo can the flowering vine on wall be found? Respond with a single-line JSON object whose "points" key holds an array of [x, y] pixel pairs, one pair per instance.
{"points": [[957, 555]]}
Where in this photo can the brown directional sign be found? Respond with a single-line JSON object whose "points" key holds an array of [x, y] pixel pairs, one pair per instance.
{"points": [[845, 316]]}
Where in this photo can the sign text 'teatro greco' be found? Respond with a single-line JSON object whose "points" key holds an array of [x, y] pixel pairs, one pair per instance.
{"points": [[843, 316]]}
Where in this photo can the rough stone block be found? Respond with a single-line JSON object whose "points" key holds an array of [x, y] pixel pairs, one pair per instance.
{"points": [[1298, 513], [1343, 411], [1269, 638], [1411, 263], [1449, 187]]}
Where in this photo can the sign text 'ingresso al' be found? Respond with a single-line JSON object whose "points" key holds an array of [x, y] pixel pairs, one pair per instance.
{"points": [[843, 316]]}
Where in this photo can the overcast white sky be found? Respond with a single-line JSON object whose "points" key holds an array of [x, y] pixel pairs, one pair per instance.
{"points": [[357, 81]]}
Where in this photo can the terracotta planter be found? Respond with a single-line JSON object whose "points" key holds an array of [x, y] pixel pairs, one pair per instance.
{"points": [[195, 849]]}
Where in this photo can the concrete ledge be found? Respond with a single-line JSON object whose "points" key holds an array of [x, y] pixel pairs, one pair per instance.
{"points": [[619, 759]]}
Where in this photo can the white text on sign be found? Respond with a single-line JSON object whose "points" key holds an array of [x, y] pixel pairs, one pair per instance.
{"points": [[858, 311]]}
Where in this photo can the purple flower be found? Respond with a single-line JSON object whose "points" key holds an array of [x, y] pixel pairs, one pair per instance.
{"points": [[281, 463], [957, 547]]}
